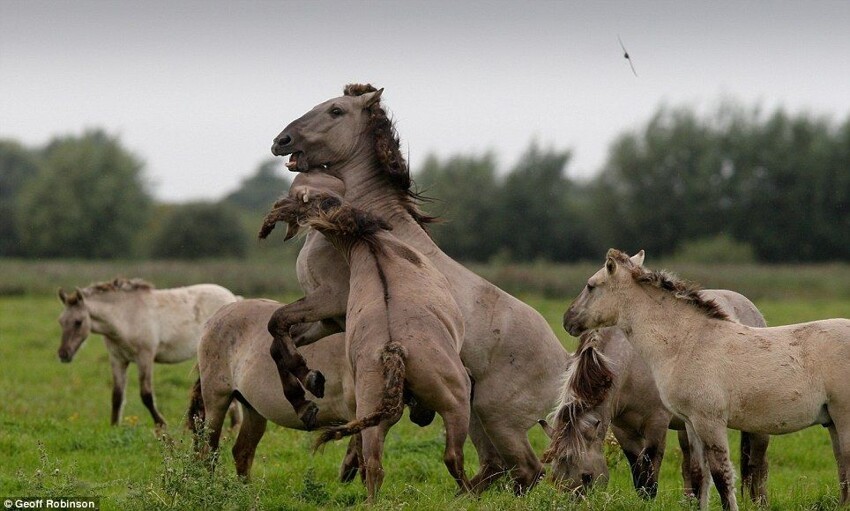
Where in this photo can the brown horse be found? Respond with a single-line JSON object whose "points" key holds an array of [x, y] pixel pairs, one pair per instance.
{"points": [[610, 384], [514, 358], [403, 330], [714, 373]]}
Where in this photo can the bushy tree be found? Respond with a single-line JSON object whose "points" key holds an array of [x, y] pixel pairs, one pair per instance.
{"points": [[464, 189], [199, 230], [18, 165], [89, 200], [258, 192]]}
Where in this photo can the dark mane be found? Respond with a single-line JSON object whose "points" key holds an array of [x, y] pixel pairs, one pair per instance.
{"points": [[119, 284], [681, 289], [388, 153]]}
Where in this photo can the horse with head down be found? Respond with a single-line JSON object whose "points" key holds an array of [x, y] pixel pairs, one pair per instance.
{"points": [[515, 360]]}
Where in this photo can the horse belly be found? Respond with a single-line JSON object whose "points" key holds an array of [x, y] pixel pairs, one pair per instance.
{"points": [[784, 411]]}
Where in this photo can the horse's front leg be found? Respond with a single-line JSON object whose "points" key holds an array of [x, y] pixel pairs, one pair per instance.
{"points": [[698, 467], [715, 445], [119, 383], [145, 362], [288, 361]]}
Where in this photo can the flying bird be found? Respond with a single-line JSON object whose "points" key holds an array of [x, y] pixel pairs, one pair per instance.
{"points": [[626, 55]]}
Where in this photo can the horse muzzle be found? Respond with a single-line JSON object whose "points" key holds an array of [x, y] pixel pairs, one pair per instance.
{"points": [[572, 323], [65, 356]]}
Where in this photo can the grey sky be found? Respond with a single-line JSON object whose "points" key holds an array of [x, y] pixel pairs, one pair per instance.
{"points": [[199, 89]]}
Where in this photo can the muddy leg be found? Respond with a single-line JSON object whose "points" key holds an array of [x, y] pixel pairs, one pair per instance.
{"points": [[632, 446], [457, 426], [652, 455], [698, 468], [288, 359], [145, 363], [754, 466], [373, 449], [687, 481], [841, 449], [491, 466], [283, 353], [250, 433], [712, 434], [119, 383], [215, 406], [353, 459]]}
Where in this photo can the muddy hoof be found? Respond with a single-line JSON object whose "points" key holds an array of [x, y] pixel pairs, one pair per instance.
{"points": [[308, 414], [315, 383]]}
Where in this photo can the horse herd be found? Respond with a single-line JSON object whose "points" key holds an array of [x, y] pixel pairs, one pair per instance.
{"points": [[389, 320]]}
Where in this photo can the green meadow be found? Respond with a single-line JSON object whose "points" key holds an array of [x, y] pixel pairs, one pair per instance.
{"points": [[55, 438]]}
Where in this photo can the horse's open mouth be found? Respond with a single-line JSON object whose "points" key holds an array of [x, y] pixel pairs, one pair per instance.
{"points": [[292, 164]]}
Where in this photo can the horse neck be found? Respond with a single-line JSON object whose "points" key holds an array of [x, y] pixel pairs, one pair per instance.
{"points": [[659, 325], [110, 313], [368, 189]]}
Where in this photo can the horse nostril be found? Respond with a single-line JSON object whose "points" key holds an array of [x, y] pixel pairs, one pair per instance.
{"points": [[283, 140], [586, 479]]}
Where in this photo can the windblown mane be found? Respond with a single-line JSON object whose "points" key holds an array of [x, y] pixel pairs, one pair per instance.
{"points": [[118, 284], [682, 290], [388, 153], [588, 381], [327, 214]]}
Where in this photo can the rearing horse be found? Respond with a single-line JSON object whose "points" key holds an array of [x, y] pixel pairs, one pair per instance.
{"points": [[515, 360]]}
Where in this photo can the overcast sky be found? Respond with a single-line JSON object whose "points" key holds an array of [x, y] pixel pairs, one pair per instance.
{"points": [[199, 89]]}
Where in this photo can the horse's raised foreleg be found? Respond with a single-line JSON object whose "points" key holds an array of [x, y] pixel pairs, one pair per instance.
{"points": [[287, 358], [754, 466], [712, 435], [250, 433], [145, 363], [311, 308], [119, 383]]}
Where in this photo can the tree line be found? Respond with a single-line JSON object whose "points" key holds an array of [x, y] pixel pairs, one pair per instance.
{"points": [[732, 185]]}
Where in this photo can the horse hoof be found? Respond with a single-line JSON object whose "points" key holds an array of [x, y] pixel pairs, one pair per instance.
{"points": [[308, 415], [315, 383]]}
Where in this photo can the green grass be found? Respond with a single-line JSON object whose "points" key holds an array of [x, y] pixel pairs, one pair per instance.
{"points": [[55, 440]]}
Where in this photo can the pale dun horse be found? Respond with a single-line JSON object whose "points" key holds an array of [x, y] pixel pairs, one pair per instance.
{"points": [[403, 330], [140, 324], [714, 373], [609, 384]]}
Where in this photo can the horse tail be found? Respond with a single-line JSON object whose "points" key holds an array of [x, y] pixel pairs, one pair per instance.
{"points": [[392, 402], [197, 413]]}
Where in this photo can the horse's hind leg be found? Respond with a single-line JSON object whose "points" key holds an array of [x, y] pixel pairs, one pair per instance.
{"points": [[841, 448], [373, 449], [215, 405], [754, 466], [491, 466], [353, 459], [457, 426], [250, 433]]}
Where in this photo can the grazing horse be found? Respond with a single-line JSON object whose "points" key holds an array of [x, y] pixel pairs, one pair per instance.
{"points": [[139, 324], [714, 373], [515, 360], [403, 330], [234, 363], [610, 384]]}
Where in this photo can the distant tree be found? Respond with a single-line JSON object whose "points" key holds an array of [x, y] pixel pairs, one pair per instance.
{"points": [[199, 230], [535, 216], [18, 165], [259, 191], [89, 200], [465, 190]]}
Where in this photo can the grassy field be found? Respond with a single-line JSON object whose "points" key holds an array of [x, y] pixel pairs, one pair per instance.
{"points": [[55, 438]]}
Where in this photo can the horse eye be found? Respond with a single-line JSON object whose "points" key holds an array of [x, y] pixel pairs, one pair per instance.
{"points": [[590, 287], [336, 111]]}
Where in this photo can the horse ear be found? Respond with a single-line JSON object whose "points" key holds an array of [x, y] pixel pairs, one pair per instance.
{"points": [[610, 263], [79, 293], [62, 296], [546, 428], [370, 98], [637, 259]]}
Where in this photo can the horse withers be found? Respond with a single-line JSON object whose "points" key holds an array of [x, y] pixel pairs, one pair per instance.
{"points": [[140, 324], [714, 373]]}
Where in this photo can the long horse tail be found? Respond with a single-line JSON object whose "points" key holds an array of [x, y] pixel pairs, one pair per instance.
{"points": [[392, 402], [197, 413]]}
